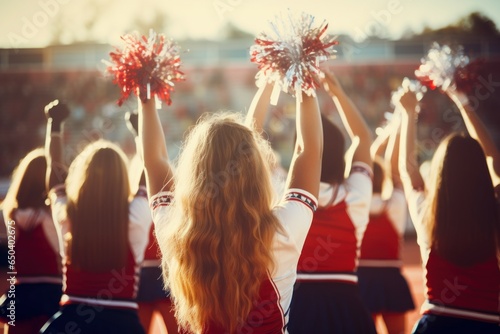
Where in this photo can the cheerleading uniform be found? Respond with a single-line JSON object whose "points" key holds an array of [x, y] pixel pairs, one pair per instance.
{"points": [[459, 299], [270, 311], [38, 265], [151, 283], [383, 287], [103, 302], [326, 298]]}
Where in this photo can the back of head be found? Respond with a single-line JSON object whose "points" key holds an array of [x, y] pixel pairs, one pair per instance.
{"points": [[333, 162], [27, 189], [462, 217], [222, 214], [98, 192]]}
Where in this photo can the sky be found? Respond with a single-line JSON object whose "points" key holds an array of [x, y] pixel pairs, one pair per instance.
{"points": [[31, 23]]}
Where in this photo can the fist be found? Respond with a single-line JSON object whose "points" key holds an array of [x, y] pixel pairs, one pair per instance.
{"points": [[56, 111], [132, 119], [408, 101]]}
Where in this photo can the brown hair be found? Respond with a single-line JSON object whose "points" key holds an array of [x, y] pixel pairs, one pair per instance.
{"points": [[333, 161], [27, 189], [98, 192], [378, 175], [462, 219]]}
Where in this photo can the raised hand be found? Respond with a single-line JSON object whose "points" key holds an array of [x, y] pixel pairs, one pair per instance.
{"points": [[56, 111], [408, 100]]}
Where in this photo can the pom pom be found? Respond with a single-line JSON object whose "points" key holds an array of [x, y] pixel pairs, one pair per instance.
{"points": [[414, 86], [150, 65], [291, 54], [466, 78], [438, 69]]}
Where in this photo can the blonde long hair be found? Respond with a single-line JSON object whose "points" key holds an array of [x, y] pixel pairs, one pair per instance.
{"points": [[98, 193], [27, 189], [217, 249]]}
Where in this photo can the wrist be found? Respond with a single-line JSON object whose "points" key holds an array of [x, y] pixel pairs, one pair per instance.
{"points": [[413, 109], [461, 98], [411, 114], [55, 126]]}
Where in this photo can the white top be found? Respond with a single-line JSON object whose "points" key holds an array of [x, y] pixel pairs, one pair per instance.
{"points": [[395, 207], [416, 206], [23, 219], [139, 219], [356, 190]]}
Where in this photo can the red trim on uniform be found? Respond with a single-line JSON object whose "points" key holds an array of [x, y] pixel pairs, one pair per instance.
{"points": [[161, 200], [361, 169], [302, 198]]}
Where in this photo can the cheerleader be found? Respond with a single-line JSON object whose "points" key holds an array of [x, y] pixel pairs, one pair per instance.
{"points": [[326, 298], [36, 248], [458, 231], [105, 232], [229, 256], [151, 295], [478, 131], [383, 288]]}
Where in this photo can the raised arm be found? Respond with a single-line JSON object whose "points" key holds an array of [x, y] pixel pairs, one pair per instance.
{"points": [[136, 167], [56, 113], [257, 112], [379, 145], [408, 166], [478, 131], [392, 151], [351, 118], [159, 175], [386, 145], [305, 167]]}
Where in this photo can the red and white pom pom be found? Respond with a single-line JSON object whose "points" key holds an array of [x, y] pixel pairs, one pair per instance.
{"points": [[467, 78], [414, 86], [150, 65], [438, 69], [291, 54]]}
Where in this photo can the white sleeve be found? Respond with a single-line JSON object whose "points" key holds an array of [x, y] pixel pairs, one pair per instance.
{"points": [[397, 210], [295, 214], [416, 204], [359, 195], [139, 224], [160, 209], [53, 233], [58, 200]]}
